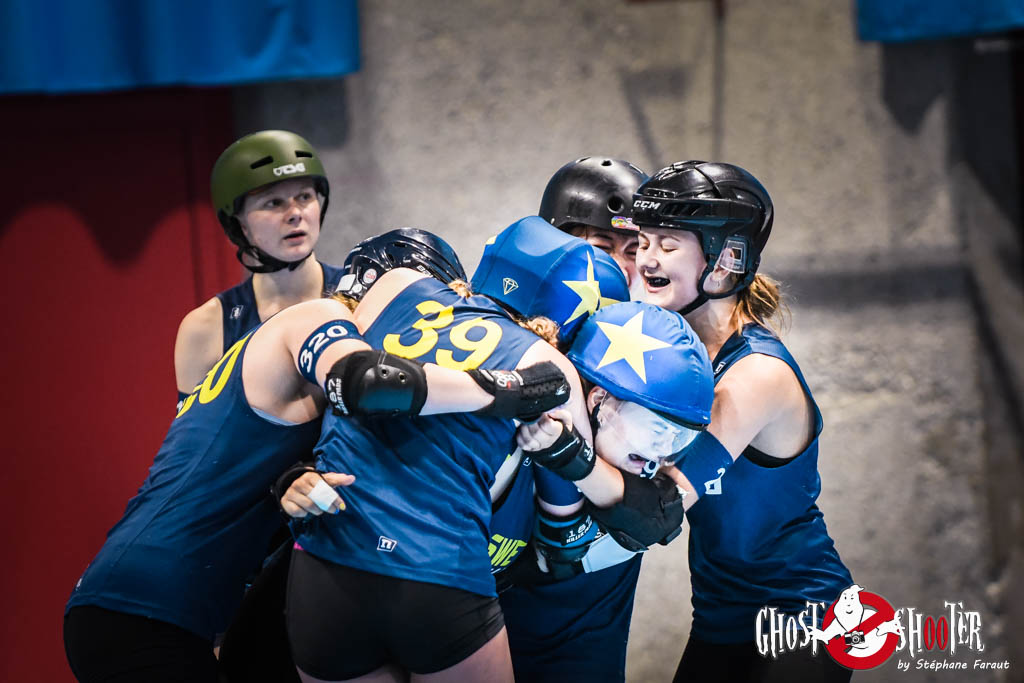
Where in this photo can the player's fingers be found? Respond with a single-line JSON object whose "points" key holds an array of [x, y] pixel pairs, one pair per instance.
{"points": [[292, 509], [561, 415], [338, 478], [305, 483], [549, 426]]}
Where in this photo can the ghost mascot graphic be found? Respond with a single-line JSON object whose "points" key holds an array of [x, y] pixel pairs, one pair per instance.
{"points": [[861, 630]]}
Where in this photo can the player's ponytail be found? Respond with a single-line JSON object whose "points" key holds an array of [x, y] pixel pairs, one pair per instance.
{"points": [[762, 302]]}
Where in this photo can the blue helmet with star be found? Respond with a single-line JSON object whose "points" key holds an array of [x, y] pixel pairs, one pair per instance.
{"points": [[650, 356], [533, 268]]}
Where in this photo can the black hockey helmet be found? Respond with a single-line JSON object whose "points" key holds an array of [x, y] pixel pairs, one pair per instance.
{"points": [[594, 191], [402, 248], [727, 207]]}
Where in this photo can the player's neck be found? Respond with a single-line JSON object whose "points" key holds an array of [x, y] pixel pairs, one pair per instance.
{"points": [[714, 322], [278, 290]]}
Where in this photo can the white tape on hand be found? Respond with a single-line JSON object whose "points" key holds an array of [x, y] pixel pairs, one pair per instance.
{"points": [[323, 495]]}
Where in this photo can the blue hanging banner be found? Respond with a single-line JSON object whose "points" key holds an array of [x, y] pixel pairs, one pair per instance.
{"points": [[64, 46], [893, 21]]}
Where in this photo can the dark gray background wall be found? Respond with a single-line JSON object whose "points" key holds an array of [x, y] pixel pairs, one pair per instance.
{"points": [[895, 178]]}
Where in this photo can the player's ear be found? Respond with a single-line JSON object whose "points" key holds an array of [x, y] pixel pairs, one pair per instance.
{"points": [[595, 396]]}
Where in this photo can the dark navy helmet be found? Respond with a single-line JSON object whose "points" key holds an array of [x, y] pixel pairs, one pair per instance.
{"points": [[724, 205], [402, 248], [535, 269], [650, 356], [595, 191]]}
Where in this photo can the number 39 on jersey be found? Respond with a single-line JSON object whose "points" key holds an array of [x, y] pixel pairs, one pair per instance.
{"points": [[437, 317]]}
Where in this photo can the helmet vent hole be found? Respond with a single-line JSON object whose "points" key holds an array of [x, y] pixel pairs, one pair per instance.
{"points": [[261, 162], [615, 204], [302, 153], [606, 162]]}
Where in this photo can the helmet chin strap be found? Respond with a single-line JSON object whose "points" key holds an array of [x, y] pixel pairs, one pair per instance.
{"points": [[266, 262], [702, 296]]}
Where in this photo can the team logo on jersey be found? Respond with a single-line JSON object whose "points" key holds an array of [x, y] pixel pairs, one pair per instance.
{"points": [[508, 285], [714, 486], [386, 544], [862, 630], [236, 312], [288, 169]]}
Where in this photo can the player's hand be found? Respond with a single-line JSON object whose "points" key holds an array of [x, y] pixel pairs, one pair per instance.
{"points": [[312, 494], [536, 436]]}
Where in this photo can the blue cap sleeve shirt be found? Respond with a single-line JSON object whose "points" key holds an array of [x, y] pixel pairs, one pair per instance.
{"points": [[420, 507], [757, 537], [201, 522]]}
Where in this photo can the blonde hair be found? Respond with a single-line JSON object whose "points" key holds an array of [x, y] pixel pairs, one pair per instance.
{"points": [[762, 302], [345, 299], [545, 328]]}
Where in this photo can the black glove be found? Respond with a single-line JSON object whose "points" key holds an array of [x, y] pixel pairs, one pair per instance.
{"points": [[523, 393]]}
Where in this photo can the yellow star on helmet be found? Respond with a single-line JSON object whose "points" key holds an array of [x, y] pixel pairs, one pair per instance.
{"points": [[628, 342], [589, 292]]}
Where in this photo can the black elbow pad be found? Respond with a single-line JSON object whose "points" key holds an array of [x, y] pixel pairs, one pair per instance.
{"points": [[651, 512], [376, 383]]}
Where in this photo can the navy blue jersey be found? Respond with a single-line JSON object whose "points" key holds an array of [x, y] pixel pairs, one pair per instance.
{"points": [[760, 539], [574, 630], [512, 519], [238, 304], [420, 506], [202, 520]]}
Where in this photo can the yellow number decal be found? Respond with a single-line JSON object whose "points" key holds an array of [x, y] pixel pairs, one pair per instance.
{"points": [[210, 389], [428, 337], [481, 349]]}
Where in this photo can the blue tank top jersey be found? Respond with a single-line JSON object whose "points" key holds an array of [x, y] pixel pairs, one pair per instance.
{"points": [[761, 540], [420, 506], [202, 520], [573, 630], [238, 304]]}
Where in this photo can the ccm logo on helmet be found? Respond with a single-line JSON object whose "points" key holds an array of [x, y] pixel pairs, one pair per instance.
{"points": [[639, 204], [288, 169]]}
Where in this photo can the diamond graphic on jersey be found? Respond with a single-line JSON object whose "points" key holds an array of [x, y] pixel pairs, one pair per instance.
{"points": [[386, 544], [509, 285], [236, 312], [714, 487]]}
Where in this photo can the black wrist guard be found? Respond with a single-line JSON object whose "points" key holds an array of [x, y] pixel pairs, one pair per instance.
{"points": [[570, 457], [376, 383], [524, 393], [286, 479], [563, 541], [651, 512]]}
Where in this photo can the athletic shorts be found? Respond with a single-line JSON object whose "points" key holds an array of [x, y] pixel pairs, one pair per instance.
{"points": [[345, 622], [114, 647]]}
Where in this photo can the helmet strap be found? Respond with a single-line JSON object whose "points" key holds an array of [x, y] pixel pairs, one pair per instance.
{"points": [[266, 262]]}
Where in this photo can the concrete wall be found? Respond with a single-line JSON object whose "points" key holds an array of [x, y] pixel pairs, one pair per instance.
{"points": [[896, 227]]}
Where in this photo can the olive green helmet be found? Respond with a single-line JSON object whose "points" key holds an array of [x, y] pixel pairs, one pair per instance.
{"points": [[252, 162]]}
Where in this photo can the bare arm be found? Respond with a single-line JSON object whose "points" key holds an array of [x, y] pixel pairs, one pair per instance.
{"points": [[604, 485], [199, 345], [758, 402]]}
